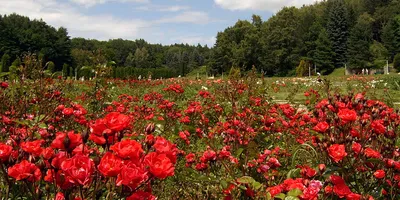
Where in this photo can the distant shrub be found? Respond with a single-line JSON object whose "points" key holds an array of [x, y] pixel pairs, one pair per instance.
{"points": [[396, 61]]}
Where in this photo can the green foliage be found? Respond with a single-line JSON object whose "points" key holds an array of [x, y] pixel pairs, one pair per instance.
{"points": [[359, 55], [65, 70], [303, 68], [234, 73], [338, 30], [5, 63], [20, 35], [17, 62], [396, 62], [51, 66], [323, 56]]}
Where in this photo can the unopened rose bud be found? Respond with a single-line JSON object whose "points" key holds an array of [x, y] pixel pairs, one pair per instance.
{"points": [[150, 128], [66, 141]]}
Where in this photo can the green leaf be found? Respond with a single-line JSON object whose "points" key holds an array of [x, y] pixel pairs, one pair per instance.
{"points": [[43, 126], [257, 185], [246, 180], [291, 198], [280, 196], [295, 192], [238, 152], [293, 173], [224, 184]]}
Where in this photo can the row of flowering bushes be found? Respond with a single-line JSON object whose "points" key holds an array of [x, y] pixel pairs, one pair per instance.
{"points": [[180, 139]]}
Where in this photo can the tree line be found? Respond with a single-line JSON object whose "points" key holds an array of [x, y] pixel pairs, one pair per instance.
{"points": [[20, 36], [329, 34]]}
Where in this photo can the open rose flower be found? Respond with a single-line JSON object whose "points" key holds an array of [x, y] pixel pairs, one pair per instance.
{"points": [[110, 165], [5, 152], [337, 152], [128, 149], [347, 115], [159, 165], [78, 169], [25, 170]]}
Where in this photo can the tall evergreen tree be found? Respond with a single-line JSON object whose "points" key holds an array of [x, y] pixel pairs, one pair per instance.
{"points": [[360, 40], [323, 56], [337, 28]]}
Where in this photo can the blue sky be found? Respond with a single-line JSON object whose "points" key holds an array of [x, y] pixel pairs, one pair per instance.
{"points": [[157, 21]]}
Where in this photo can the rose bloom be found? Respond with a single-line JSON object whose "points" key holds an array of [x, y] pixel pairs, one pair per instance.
{"points": [[321, 127], [337, 152], [25, 170], [164, 146], [356, 147], [110, 165], [379, 174], [160, 165], [370, 153], [347, 115], [78, 169], [116, 121], [127, 149], [5, 152], [59, 142], [132, 175], [378, 127], [140, 195], [341, 190], [32, 147], [353, 196]]}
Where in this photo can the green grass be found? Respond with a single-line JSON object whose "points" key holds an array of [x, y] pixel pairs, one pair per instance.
{"points": [[337, 72]]}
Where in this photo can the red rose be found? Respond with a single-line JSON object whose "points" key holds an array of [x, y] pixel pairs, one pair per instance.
{"points": [[25, 170], [116, 121], [337, 152], [164, 146], [110, 165], [353, 196], [128, 149], [98, 127], [68, 111], [140, 195], [160, 165], [321, 127], [47, 153], [273, 191], [61, 140], [5, 152], [208, 155], [132, 175], [356, 147], [60, 196], [4, 85], [378, 126], [347, 115], [359, 97], [78, 169], [340, 188], [379, 174], [33, 147], [370, 153], [99, 140]]}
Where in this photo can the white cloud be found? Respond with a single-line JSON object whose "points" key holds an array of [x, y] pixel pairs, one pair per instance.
{"points": [[194, 17], [90, 3], [102, 27], [56, 14], [163, 8], [270, 5]]}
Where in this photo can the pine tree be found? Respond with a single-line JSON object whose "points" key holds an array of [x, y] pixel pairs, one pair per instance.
{"points": [[324, 55], [391, 36], [337, 28], [359, 55]]}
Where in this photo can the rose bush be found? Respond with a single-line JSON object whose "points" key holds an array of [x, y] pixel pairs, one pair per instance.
{"points": [[203, 139]]}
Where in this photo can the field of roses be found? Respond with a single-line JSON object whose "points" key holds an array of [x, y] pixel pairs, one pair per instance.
{"points": [[199, 139]]}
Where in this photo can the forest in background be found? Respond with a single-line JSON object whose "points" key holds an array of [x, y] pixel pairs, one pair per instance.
{"points": [[328, 34]]}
